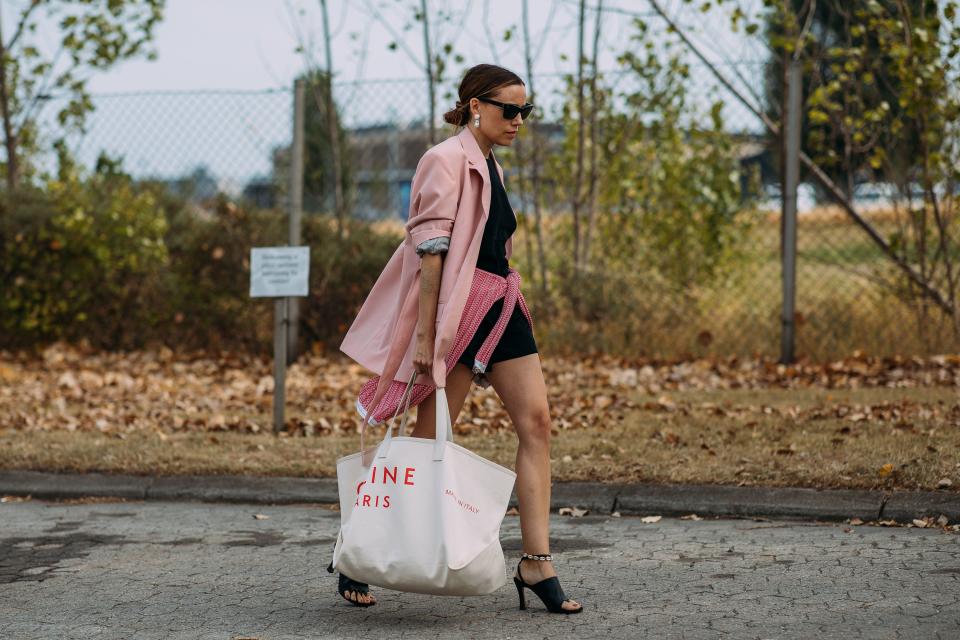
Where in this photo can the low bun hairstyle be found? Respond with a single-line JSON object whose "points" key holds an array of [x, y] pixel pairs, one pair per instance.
{"points": [[478, 81]]}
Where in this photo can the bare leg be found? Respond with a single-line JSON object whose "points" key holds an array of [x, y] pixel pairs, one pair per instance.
{"points": [[519, 383], [458, 386]]}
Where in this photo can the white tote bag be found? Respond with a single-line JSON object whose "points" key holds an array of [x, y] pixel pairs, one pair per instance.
{"points": [[422, 515]]}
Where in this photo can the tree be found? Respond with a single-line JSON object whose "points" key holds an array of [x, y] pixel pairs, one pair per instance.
{"points": [[321, 166], [93, 36], [920, 55], [839, 51], [437, 43], [668, 199]]}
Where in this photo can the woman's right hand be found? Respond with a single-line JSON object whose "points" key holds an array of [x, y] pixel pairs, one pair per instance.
{"points": [[423, 355]]}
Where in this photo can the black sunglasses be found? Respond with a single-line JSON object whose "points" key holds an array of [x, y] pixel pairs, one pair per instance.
{"points": [[510, 111]]}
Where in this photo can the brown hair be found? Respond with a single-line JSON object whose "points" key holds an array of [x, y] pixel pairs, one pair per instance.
{"points": [[478, 81]]}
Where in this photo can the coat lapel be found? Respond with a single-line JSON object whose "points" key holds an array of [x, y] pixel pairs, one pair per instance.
{"points": [[479, 164]]}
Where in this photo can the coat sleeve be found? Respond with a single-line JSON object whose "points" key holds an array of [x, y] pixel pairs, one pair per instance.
{"points": [[433, 202], [440, 244]]}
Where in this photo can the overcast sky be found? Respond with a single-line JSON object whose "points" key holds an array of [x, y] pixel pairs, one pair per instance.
{"points": [[251, 44], [205, 45]]}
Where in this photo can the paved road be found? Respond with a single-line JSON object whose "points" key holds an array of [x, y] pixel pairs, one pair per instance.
{"points": [[212, 571]]}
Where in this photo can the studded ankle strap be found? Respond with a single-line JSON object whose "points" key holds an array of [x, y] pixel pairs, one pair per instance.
{"points": [[545, 557]]}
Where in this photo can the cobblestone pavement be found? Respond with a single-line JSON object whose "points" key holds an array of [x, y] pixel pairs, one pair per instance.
{"points": [[168, 570]]}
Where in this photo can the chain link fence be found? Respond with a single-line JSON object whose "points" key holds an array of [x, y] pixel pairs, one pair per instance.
{"points": [[849, 298]]}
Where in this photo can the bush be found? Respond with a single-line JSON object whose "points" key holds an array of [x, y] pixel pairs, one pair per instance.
{"points": [[76, 256], [123, 265], [342, 272]]}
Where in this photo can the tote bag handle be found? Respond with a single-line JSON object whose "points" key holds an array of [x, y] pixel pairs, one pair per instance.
{"points": [[443, 428], [405, 403]]}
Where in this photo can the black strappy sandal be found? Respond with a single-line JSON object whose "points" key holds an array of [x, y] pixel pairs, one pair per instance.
{"points": [[548, 590], [346, 584]]}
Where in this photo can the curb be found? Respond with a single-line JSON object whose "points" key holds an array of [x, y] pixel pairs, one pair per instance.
{"points": [[598, 498]]}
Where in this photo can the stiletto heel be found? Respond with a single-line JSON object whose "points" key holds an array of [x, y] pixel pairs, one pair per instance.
{"points": [[548, 590], [523, 599]]}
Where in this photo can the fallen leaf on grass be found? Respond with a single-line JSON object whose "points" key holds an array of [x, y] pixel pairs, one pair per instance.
{"points": [[886, 470], [602, 402], [225, 392], [944, 483], [15, 498], [691, 516], [573, 512], [651, 519], [856, 521]]}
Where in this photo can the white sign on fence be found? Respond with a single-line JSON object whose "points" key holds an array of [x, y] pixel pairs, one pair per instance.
{"points": [[277, 272]]}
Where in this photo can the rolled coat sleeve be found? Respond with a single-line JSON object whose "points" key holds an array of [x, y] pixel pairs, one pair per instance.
{"points": [[434, 200], [436, 245]]}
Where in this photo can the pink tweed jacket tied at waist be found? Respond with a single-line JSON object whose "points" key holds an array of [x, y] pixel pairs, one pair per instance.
{"points": [[486, 289]]}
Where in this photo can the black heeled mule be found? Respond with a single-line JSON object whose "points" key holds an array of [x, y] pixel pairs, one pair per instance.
{"points": [[346, 584], [548, 590]]}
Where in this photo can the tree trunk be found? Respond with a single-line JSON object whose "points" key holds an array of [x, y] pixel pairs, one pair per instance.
{"points": [[332, 130], [9, 135], [535, 164], [578, 172], [592, 177], [431, 81]]}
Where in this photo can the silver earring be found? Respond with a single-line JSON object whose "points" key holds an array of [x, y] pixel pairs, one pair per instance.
{"points": [[476, 120]]}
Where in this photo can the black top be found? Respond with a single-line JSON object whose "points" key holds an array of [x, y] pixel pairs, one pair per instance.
{"points": [[500, 225], [517, 339]]}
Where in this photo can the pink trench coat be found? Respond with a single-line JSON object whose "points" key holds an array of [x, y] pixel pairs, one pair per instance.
{"points": [[449, 196]]}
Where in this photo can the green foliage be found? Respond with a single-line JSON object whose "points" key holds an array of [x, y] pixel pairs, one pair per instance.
{"points": [[669, 196], [882, 105], [77, 255], [859, 73], [124, 265], [342, 273], [204, 298], [679, 206], [318, 174], [90, 36]]}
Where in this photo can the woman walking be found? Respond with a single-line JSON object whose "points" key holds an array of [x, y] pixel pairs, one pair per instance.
{"points": [[430, 311]]}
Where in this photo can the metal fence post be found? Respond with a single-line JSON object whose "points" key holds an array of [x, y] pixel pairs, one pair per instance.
{"points": [[295, 211], [788, 227], [280, 325]]}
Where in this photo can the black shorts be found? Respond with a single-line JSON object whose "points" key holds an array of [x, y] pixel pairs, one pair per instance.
{"points": [[517, 339]]}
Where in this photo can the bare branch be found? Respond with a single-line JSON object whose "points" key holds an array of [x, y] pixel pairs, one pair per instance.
{"points": [[24, 18], [373, 13], [489, 34]]}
